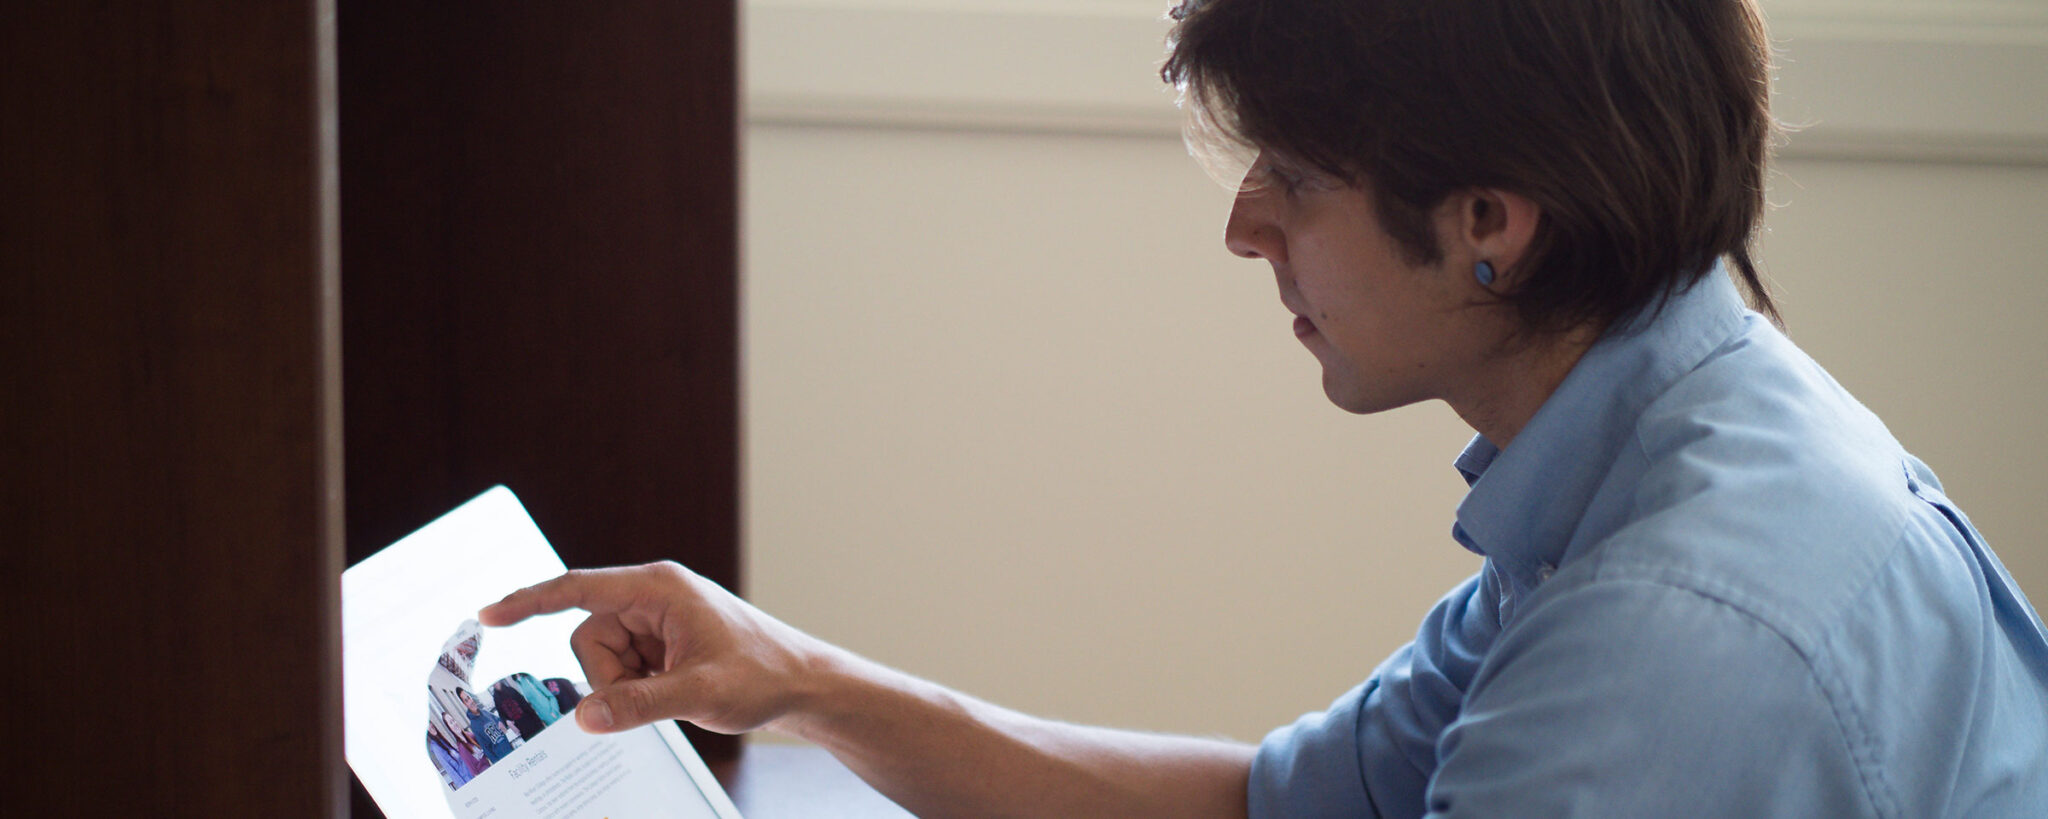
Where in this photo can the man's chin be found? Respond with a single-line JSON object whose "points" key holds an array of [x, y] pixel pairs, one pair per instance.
{"points": [[1346, 395], [1352, 397]]}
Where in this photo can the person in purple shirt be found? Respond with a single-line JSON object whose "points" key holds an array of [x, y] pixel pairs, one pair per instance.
{"points": [[1714, 584], [447, 760]]}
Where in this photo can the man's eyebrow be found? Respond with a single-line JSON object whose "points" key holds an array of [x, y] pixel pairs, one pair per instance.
{"points": [[1293, 163]]}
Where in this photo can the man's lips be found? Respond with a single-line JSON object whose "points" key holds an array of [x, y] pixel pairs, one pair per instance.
{"points": [[1303, 327]]}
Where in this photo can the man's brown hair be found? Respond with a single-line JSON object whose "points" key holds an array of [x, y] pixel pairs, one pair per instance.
{"points": [[1640, 127]]}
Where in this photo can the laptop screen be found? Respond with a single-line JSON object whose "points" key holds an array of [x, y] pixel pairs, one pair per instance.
{"points": [[447, 719]]}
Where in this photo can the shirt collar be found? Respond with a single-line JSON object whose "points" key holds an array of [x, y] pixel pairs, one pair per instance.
{"points": [[1525, 501]]}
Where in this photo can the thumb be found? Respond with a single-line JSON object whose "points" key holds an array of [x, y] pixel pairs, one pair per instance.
{"points": [[621, 706]]}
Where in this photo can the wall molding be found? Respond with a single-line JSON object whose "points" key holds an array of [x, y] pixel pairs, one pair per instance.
{"points": [[1909, 85]]}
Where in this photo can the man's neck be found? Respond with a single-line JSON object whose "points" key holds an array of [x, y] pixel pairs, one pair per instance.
{"points": [[1515, 385]]}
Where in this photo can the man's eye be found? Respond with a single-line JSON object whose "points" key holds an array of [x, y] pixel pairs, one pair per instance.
{"points": [[1287, 181]]}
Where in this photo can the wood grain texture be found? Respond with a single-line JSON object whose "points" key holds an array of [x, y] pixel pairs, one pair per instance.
{"points": [[168, 487], [540, 242]]}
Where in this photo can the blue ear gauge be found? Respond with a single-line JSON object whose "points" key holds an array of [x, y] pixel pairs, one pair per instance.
{"points": [[1484, 272]]}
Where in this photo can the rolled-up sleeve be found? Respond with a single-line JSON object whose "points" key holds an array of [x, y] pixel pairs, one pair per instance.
{"points": [[1371, 752], [1311, 769]]}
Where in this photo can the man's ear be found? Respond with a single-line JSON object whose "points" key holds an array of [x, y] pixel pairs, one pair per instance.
{"points": [[1497, 226]]}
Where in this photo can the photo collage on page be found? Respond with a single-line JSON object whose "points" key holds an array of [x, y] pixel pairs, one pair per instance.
{"points": [[470, 728]]}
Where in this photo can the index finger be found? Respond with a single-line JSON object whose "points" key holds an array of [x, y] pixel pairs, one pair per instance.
{"points": [[593, 590]]}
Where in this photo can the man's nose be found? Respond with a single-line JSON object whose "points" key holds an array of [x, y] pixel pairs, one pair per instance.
{"points": [[1250, 232]]}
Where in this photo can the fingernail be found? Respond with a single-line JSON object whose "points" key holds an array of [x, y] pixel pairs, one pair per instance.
{"points": [[598, 714]]}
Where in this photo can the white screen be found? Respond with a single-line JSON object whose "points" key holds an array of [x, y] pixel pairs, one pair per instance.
{"points": [[405, 607]]}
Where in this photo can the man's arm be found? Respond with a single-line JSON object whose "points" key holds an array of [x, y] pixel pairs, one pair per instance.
{"points": [[663, 642]]}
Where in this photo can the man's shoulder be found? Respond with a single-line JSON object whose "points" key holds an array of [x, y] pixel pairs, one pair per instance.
{"points": [[1759, 408], [1766, 484]]}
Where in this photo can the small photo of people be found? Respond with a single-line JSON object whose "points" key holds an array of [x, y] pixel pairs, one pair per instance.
{"points": [[467, 731]]}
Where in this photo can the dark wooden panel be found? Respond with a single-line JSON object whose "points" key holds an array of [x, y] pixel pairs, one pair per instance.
{"points": [[169, 484], [539, 249]]}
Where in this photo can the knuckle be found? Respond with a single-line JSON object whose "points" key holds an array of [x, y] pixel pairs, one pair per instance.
{"points": [[635, 702], [670, 572]]}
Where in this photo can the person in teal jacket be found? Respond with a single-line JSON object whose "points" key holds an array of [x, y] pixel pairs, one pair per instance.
{"points": [[538, 696]]}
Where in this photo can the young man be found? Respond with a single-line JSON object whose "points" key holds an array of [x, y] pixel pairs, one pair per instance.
{"points": [[1714, 584]]}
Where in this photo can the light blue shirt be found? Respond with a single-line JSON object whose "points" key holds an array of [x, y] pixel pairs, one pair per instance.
{"points": [[1715, 585]]}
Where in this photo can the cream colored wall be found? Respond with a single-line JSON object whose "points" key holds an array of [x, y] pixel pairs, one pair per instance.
{"points": [[1016, 422], [1920, 288]]}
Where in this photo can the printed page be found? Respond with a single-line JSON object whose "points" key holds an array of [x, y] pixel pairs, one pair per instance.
{"points": [[447, 719]]}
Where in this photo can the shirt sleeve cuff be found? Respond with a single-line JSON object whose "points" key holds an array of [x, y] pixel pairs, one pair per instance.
{"points": [[1311, 769]]}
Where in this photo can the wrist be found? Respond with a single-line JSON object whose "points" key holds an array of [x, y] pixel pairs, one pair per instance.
{"points": [[815, 683], [834, 691]]}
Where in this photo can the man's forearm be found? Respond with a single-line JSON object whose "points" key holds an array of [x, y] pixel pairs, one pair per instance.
{"points": [[664, 643], [941, 753]]}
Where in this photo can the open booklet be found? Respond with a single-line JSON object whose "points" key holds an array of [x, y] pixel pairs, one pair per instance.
{"points": [[446, 719]]}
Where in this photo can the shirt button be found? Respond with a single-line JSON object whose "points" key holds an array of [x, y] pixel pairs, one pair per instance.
{"points": [[1544, 571]]}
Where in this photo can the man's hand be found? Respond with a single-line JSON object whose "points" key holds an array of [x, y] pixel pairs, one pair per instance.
{"points": [[662, 642]]}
